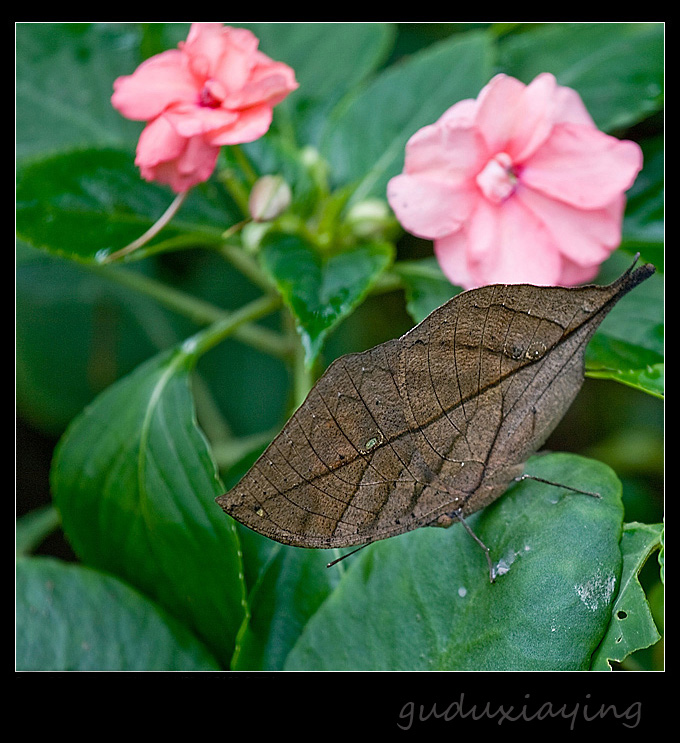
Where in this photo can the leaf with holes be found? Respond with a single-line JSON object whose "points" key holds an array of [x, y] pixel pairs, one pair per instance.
{"points": [[632, 626]]}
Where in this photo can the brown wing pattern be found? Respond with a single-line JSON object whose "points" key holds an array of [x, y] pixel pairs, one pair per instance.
{"points": [[441, 419]]}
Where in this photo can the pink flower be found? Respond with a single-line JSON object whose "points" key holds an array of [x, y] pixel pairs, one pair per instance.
{"points": [[516, 186], [216, 89]]}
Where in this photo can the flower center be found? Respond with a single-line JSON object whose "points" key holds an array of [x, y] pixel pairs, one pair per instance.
{"points": [[497, 179], [207, 98]]}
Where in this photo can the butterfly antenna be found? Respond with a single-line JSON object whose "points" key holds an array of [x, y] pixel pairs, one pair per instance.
{"points": [[348, 554]]}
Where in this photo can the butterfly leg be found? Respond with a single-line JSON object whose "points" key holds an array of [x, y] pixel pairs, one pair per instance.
{"points": [[556, 484], [348, 554], [458, 515]]}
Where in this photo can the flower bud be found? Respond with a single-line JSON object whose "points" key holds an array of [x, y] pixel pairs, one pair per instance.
{"points": [[269, 197], [371, 218]]}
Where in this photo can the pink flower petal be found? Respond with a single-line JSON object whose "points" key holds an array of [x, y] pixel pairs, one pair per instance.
{"points": [[483, 231], [582, 166], [570, 108], [250, 125], [447, 148], [499, 105], [197, 161], [535, 117], [584, 237], [452, 255], [428, 206], [223, 53], [237, 60], [269, 82], [517, 119], [572, 274], [158, 143], [517, 250], [166, 157], [516, 186], [460, 114], [216, 89], [156, 84], [193, 121], [194, 166]]}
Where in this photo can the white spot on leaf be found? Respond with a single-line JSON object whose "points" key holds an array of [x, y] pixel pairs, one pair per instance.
{"points": [[597, 591]]}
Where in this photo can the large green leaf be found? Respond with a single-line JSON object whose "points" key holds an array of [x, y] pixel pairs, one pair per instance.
{"points": [[329, 59], [643, 226], [64, 83], [87, 203], [76, 334], [617, 68], [290, 589], [135, 485], [73, 618], [632, 626], [423, 601], [365, 138], [629, 344], [321, 289]]}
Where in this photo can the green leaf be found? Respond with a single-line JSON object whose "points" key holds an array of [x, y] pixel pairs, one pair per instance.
{"points": [[618, 68], [365, 138], [73, 618], [648, 378], [643, 225], [329, 59], [290, 589], [632, 626], [76, 334], [34, 527], [426, 286], [321, 289], [423, 601], [87, 203], [135, 485], [629, 345], [64, 83]]}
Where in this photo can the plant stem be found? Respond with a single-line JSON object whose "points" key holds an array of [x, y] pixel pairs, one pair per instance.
{"points": [[151, 232], [303, 377], [201, 312], [246, 264], [227, 451], [211, 336], [388, 281], [244, 164]]}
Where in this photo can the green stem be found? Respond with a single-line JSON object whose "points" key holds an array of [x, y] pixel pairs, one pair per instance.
{"points": [[303, 376], [233, 179], [388, 281], [227, 451], [246, 264], [211, 336], [244, 164], [151, 232], [34, 527], [197, 310]]}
